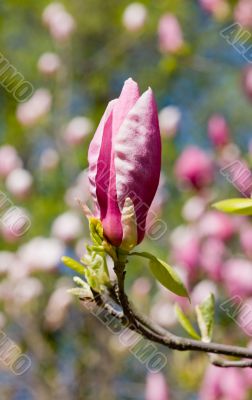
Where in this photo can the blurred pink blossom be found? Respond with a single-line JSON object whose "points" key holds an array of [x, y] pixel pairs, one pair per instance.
{"points": [[141, 287], [57, 307], [223, 384], [170, 34], [202, 290], [49, 159], [229, 154], [169, 119], [238, 173], [243, 13], [216, 224], [134, 17], [237, 274], [19, 183], [50, 11], [30, 112], [59, 22], [218, 130], [67, 227], [219, 8], [246, 239], [163, 313], [7, 260], [49, 64], [185, 248], [18, 293], [156, 387], [244, 318], [194, 166], [194, 208], [41, 253], [80, 191], [212, 255], [247, 82], [26, 289], [77, 130], [9, 160], [15, 224]]}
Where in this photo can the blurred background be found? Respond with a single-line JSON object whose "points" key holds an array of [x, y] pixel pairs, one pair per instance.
{"points": [[60, 63]]}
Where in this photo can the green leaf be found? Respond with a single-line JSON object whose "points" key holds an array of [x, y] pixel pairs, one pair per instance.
{"points": [[165, 274], [73, 264], [97, 271], [235, 206], [96, 230], [185, 323], [205, 317], [81, 293]]}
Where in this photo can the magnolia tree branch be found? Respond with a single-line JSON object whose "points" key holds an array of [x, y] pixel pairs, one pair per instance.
{"points": [[157, 334]]}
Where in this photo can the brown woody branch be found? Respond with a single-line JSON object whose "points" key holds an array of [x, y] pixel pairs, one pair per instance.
{"points": [[157, 334]]}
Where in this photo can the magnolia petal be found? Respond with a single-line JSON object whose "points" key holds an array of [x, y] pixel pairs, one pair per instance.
{"points": [[129, 226], [110, 211], [137, 150], [94, 152]]}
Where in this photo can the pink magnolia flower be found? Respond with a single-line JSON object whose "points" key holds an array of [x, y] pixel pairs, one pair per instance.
{"points": [[60, 23], [243, 13], [194, 208], [19, 183], [124, 164], [229, 154], [170, 34], [237, 274], [67, 227], [49, 159], [246, 240], [134, 17], [49, 64], [212, 255], [218, 130], [216, 224], [169, 119], [195, 167], [33, 253], [185, 248], [15, 224], [9, 160], [30, 112], [223, 384], [219, 8], [156, 387], [57, 307], [77, 130]]}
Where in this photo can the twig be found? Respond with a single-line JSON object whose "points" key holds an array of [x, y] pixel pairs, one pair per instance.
{"points": [[220, 362], [157, 334]]}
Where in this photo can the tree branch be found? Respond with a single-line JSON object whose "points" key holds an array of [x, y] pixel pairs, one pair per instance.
{"points": [[157, 334]]}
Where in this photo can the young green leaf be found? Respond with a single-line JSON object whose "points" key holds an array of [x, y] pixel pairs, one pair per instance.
{"points": [[205, 317], [165, 274], [73, 264], [96, 230], [81, 293], [185, 323], [235, 206]]}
